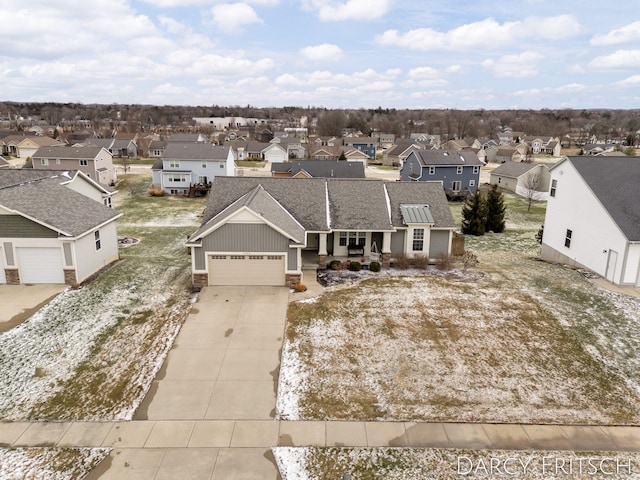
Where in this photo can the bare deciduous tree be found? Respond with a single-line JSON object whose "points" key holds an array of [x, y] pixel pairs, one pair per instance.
{"points": [[531, 189]]}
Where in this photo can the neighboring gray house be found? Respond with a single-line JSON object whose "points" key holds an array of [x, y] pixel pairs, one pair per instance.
{"points": [[459, 172], [54, 227], [522, 178], [319, 168], [261, 231], [94, 162], [189, 168], [117, 147]]}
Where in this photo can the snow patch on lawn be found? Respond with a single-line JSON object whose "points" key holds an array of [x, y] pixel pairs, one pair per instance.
{"points": [[49, 463]]}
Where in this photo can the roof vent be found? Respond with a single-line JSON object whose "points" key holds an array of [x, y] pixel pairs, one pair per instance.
{"points": [[462, 158], [446, 154]]}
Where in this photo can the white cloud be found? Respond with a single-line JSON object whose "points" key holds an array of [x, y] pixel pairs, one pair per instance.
{"points": [[632, 81], [203, 3], [621, 59], [514, 66], [333, 11], [627, 34], [454, 69], [230, 17], [325, 78], [487, 33], [324, 52]]}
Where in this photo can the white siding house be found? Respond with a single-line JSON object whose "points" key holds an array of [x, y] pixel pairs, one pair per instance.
{"points": [[593, 217]]}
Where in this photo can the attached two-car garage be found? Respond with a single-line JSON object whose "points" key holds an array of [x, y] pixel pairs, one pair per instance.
{"points": [[253, 269]]}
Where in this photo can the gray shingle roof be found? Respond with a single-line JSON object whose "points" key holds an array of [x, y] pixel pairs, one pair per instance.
{"points": [[447, 157], [262, 203], [304, 198], [513, 169], [322, 168], [45, 200], [88, 152], [614, 181], [354, 204], [416, 193], [195, 151]]}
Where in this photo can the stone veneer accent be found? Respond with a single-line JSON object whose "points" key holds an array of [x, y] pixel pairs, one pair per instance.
{"points": [[70, 278], [322, 261], [12, 275], [386, 260], [200, 280], [292, 278]]}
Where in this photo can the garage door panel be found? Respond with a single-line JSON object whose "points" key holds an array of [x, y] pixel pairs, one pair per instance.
{"points": [[246, 269], [40, 265]]}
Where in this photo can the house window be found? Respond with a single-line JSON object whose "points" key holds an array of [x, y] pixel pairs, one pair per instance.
{"points": [[57, 161], [472, 183], [96, 237], [567, 239], [203, 164], [499, 180], [44, 161], [174, 163], [173, 191], [177, 178], [221, 164], [352, 239], [432, 170], [418, 239], [84, 163], [459, 170], [554, 185], [476, 170], [456, 186], [107, 202]]}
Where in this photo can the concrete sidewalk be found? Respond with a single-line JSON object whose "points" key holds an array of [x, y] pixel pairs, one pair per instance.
{"points": [[264, 434], [19, 302]]}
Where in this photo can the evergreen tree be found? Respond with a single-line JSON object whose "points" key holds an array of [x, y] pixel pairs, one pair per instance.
{"points": [[495, 211], [474, 215]]}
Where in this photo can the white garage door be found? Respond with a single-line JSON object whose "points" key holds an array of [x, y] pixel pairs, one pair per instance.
{"points": [[3, 279], [40, 265], [246, 270]]}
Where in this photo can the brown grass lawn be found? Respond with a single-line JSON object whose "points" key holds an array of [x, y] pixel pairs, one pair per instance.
{"points": [[529, 342]]}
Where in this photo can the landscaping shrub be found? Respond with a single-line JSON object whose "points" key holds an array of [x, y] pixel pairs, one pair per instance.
{"points": [[402, 262], [155, 191], [444, 262], [374, 266], [335, 264], [299, 287], [420, 261], [354, 266]]}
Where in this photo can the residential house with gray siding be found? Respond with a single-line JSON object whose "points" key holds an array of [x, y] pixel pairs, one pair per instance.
{"points": [[458, 172], [95, 162], [54, 227], [262, 231], [188, 167]]}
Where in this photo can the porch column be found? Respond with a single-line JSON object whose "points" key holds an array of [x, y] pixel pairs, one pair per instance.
{"points": [[386, 249], [322, 250]]}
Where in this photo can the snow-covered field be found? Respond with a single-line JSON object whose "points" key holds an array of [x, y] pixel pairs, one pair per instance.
{"points": [[48, 463], [444, 464]]}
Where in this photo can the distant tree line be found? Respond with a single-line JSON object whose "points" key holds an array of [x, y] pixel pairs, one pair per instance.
{"points": [[607, 125]]}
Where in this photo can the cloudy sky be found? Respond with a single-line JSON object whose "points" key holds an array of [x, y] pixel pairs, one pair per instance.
{"points": [[460, 54]]}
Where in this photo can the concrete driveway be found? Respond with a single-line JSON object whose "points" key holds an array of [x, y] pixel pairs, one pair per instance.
{"points": [[19, 302], [216, 390]]}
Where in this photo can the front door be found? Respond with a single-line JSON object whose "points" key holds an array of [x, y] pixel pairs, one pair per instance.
{"points": [[611, 265]]}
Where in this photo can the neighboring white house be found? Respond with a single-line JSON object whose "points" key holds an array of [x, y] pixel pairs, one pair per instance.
{"points": [[185, 166], [529, 180], [593, 216], [54, 227]]}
